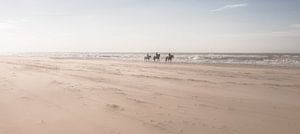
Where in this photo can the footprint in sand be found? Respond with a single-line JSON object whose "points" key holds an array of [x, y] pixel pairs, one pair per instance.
{"points": [[115, 107], [25, 98]]}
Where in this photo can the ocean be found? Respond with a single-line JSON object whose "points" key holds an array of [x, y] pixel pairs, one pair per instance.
{"points": [[269, 59]]}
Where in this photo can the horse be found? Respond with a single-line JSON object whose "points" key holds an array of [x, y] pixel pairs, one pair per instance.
{"points": [[169, 58], [147, 57], [156, 57]]}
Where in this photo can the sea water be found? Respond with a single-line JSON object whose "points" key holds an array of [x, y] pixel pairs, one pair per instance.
{"points": [[273, 59]]}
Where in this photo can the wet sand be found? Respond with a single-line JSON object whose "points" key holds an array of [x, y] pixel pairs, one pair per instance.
{"points": [[69, 96]]}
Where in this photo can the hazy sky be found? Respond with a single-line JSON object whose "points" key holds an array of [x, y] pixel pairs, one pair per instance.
{"points": [[150, 25]]}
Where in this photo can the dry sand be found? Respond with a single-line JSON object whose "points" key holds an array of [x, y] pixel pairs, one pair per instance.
{"points": [[65, 96]]}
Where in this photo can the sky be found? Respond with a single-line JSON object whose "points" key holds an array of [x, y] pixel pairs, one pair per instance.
{"points": [[150, 25]]}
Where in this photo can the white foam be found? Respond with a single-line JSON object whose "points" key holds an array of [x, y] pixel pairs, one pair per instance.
{"points": [[253, 59]]}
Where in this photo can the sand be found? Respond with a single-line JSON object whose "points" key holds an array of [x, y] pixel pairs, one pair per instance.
{"points": [[69, 96]]}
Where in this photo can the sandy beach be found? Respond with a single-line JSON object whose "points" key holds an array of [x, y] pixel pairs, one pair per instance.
{"points": [[69, 96]]}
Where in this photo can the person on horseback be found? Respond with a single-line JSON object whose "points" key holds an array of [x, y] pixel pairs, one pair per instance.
{"points": [[147, 57], [156, 57], [169, 57]]}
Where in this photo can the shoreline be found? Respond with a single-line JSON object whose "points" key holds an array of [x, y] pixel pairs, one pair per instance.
{"points": [[167, 63], [248, 59], [186, 63]]}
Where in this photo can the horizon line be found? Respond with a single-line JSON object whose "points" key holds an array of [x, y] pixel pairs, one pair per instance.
{"points": [[152, 52]]}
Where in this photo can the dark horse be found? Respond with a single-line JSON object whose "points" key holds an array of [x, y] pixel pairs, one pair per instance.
{"points": [[156, 57], [147, 57], [169, 57]]}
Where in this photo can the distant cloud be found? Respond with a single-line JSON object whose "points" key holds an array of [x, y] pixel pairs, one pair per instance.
{"points": [[295, 25], [12, 23], [7, 26], [285, 33], [230, 7]]}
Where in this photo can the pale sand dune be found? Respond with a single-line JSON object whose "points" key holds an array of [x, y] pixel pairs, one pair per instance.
{"points": [[60, 96]]}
